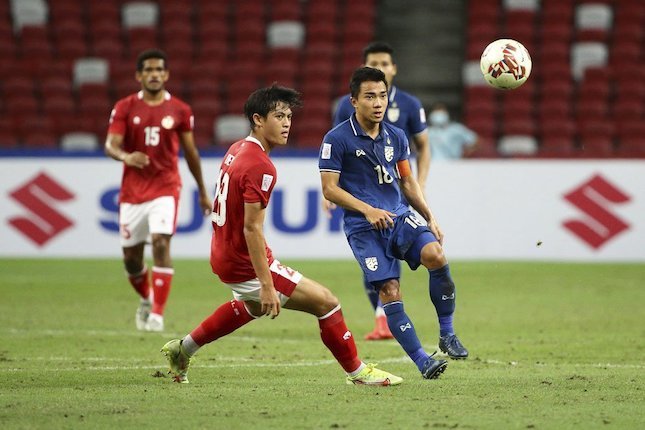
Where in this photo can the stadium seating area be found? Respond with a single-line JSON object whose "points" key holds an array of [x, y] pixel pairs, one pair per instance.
{"points": [[586, 95], [65, 62]]}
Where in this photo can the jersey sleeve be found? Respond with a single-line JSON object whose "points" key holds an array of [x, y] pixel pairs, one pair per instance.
{"points": [[258, 183], [118, 119], [187, 120], [344, 110], [417, 117], [330, 157], [405, 146]]}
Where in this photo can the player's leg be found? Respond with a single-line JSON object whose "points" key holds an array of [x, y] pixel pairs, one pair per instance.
{"points": [[312, 297], [381, 330], [133, 233], [404, 332], [162, 219], [228, 317], [428, 252], [371, 251]]}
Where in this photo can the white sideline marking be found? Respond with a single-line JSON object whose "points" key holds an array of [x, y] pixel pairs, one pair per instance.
{"points": [[234, 362]]}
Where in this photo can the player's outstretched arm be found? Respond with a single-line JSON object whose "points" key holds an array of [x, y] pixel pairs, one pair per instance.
{"points": [[194, 165], [378, 218], [255, 242]]}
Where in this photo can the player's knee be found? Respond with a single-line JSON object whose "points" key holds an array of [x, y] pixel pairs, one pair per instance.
{"points": [[132, 263], [160, 243], [325, 302], [390, 291], [432, 256]]}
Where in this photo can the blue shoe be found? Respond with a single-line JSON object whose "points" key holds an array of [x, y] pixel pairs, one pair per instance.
{"points": [[451, 345], [433, 368]]}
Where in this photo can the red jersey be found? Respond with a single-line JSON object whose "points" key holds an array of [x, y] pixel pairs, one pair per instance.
{"points": [[153, 130], [246, 175]]}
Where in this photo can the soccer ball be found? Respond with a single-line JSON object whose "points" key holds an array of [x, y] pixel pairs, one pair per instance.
{"points": [[506, 64]]}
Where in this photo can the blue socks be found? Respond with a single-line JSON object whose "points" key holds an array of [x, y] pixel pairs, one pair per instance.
{"points": [[442, 294], [403, 331]]}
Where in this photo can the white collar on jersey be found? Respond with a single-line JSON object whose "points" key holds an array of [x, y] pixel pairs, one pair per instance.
{"points": [[254, 140], [382, 130], [166, 95], [392, 93]]}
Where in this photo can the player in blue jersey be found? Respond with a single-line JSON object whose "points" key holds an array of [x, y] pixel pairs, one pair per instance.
{"points": [[365, 169], [406, 112]]}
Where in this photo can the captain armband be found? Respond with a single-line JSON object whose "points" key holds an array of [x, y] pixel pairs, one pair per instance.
{"points": [[404, 169]]}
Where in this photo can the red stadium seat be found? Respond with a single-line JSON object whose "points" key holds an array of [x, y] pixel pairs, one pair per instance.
{"points": [[38, 140], [596, 147], [556, 147], [285, 10]]}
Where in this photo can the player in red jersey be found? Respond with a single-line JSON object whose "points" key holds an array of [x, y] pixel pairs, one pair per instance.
{"points": [[145, 133], [261, 285]]}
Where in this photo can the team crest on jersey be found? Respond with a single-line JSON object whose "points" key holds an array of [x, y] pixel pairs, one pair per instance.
{"points": [[136, 120], [371, 263], [389, 153], [393, 113], [167, 122]]}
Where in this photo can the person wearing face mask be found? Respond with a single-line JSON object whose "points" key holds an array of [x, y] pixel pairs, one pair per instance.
{"points": [[449, 140]]}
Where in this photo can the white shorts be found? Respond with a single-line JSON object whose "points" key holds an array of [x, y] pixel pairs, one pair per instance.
{"points": [[285, 280], [138, 221]]}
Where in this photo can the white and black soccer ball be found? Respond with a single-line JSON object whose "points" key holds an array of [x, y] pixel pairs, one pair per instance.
{"points": [[506, 64]]}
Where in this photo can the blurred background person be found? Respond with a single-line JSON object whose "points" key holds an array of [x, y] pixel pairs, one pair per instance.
{"points": [[449, 140], [145, 134]]}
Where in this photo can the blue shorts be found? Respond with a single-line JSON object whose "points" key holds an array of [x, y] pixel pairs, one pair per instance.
{"points": [[378, 251]]}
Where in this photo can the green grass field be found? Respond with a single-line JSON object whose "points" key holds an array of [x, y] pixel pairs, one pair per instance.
{"points": [[553, 346]]}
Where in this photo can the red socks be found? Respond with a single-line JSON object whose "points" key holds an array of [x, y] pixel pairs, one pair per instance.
{"points": [[226, 319], [140, 283], [339, 340], [161, 281]]}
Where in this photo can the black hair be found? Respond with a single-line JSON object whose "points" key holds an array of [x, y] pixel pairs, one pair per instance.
{"points": [[266, 99], [438, 105], [378, 48], [365, 74], [151, 53]]}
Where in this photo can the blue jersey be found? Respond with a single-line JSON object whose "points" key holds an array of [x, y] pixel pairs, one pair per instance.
{"points": [[404, 111], [367, 167]]}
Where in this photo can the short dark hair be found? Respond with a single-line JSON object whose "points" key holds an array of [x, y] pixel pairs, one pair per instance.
{"points": [[438, 105], [378, 48], [157, 54], [365, 74], [266, 99]]}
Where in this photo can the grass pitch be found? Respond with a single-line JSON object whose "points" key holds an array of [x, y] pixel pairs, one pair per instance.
{"points": [[552, 346]]}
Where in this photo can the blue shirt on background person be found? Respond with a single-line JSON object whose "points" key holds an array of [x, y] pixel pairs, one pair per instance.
{"points": [[449, 140]]}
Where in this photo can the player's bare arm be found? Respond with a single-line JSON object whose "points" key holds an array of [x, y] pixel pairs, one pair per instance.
{"points": [[254, 236], [114, 149], [380, 219], [191, 154], [422, 145]]}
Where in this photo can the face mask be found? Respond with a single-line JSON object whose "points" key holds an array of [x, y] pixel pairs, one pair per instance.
{"points": [[439, 117]]}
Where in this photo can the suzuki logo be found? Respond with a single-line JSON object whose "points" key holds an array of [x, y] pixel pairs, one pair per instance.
{"points": [[594, 199], [37, 196]]}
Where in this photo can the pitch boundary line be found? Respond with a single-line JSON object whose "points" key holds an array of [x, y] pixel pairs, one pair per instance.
{"points": [[235, 363]]}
